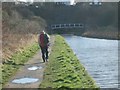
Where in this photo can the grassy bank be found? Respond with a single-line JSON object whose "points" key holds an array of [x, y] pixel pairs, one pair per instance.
{"points": [[64, 70], [12, 65], [19, 28], [0, 76]]}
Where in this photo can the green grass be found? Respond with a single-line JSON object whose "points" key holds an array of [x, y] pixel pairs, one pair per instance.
{"points": [[12, 65], [0, 76], [64, 70]]}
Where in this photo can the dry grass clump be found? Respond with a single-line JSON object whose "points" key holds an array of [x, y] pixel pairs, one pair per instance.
{"points": [[18, 32]]}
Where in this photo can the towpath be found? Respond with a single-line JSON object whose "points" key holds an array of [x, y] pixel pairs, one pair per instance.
{"points": [[32, 70]]}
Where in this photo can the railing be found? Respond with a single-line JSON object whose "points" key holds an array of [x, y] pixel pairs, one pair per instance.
{"points": [[75, 25]]}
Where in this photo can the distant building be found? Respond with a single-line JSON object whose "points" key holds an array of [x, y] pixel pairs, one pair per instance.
{"points": [[19, 2], [91, 2], [62, 3], [95, 2], [58, 2], [65, 2], [39, 0]]}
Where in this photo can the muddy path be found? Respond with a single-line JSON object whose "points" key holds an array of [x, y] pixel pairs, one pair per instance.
{"points": [[30, 75]]}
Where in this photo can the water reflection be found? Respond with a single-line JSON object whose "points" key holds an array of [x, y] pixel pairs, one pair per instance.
{"points": [[25, 80], [34, 68]]}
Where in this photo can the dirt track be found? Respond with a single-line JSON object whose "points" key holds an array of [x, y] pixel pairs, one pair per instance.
{"points": [[23, 72]]}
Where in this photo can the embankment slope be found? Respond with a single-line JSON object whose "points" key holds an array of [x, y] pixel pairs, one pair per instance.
{"points": [[64, 70]]}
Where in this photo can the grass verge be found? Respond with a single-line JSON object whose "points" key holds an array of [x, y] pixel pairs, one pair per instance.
{"points": [[12, 65], [64, 70], [0, 76]]}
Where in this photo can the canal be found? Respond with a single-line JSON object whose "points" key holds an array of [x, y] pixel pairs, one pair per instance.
{"points": [[99, 57]]}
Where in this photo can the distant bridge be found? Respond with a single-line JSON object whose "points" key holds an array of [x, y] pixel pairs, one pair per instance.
{"points": [[69, 25]]}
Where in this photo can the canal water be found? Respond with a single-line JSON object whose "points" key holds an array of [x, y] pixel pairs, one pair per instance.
{"points": [[99, 57]]}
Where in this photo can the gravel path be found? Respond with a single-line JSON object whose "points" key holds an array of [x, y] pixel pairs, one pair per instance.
{"points": [[35, 63]]}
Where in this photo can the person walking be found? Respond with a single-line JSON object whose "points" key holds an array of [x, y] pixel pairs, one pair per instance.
{"points": [[43, 41]]}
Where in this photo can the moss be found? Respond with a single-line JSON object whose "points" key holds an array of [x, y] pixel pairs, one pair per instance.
{"points": [[12, 65], [64, 70]]}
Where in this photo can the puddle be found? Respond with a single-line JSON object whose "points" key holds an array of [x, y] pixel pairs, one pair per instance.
{"points": [[25, 80], [34, 68]]}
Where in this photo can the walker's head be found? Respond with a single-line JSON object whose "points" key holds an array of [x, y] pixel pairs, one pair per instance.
{"points": [[42, 32]]}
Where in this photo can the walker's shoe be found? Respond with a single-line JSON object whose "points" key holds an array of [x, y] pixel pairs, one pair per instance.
{"points": [[46, 60], [43, 61]]}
